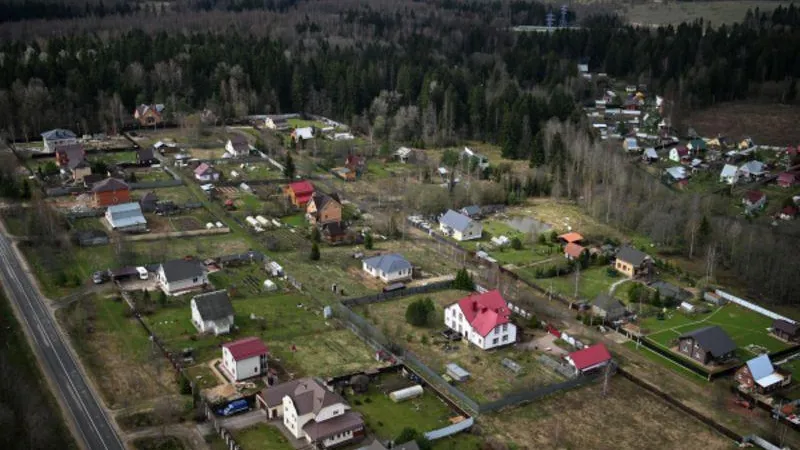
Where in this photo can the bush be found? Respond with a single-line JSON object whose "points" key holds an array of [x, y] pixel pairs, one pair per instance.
{"points": [[368, 241], [612, 272], [516, 243], [420, 313]]}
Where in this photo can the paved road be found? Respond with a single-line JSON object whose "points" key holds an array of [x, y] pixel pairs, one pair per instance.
{"points": [[94, 427]]}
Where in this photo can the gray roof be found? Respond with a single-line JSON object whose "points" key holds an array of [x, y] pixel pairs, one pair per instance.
{"points": [[677, 172], [348, 421], [110, 184], [455, 220], [145, 153], [126, 215], [712, 339], [307, 394], [651, 153], [388, 263], [74, 153], [785, 326], [377, 445], [214, 305], [472, 210], [670, 290], [631, 255], [728, 171], [58, 133], [755, 167], [182, 269], [609, 304]]}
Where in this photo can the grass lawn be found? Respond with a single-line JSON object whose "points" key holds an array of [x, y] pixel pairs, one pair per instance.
{"points": [[387, 419], [300, 123], [531, 251], [88, 223], [745, 327], [158, 443], [251, 171], [203, 376], [593, 281], [117, 352], [148, 175], [489, 379], [112, 157], [262, 436], [666, 362], [16, 221], [296, 220]]}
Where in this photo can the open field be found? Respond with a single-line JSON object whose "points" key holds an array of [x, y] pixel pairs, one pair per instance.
{"points": [[22, 384], [250, 171], [745, 327], [627, 417], [262, 436], [714, 12], [116, 351], [769, 124], [489, 380], [593, 281], [387, 419], [177, 194]]}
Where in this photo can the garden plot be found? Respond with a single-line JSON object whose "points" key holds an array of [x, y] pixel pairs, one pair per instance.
{"points": [[249, 171], [593, 281], [387, 419], [149, 174], [747, 328], [177, 194], [489, 379], [531, 252]]}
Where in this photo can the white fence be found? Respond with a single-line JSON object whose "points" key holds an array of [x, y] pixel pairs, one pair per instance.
{"points": [[450, 429], [752, 306]]}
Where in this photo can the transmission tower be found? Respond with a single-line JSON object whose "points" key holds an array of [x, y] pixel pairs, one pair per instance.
{"points": [[563, 22]]}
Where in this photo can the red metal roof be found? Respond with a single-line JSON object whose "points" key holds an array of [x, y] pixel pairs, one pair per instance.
{"points": [[754, 196], [573, 250], [590, 356], [302, 188], [246, 348], [571, 237], [485, 312]]}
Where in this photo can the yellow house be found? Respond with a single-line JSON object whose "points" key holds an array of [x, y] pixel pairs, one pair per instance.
{"points": [[631, 262]]}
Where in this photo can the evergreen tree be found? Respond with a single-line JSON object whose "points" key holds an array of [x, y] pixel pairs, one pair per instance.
{"points": [[368, 241], [288, 167], [420, 313], [314, 252], [315, 235], [463, 281]]}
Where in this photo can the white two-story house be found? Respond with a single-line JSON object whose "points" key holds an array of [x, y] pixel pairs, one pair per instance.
{"points": [[390, 268], [482, 319], [245, 358], [312, 412], [57, 137]]}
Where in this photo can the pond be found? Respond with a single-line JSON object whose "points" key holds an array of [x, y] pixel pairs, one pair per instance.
{"points": [[528, 225]]}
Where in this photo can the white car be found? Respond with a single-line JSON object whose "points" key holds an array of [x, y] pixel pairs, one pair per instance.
{"points": [[143, 274]]}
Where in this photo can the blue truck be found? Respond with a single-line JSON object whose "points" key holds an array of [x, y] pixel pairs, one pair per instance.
{"points": [[234, 407]]}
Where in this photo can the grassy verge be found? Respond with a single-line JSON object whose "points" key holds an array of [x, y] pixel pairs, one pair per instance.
{"points": [[24, 393], [262, 436], [158, 443]]}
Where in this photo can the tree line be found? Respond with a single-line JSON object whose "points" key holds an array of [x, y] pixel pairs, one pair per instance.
{"points": [[430, 80]]}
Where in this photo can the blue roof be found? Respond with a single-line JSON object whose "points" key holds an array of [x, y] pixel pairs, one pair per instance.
{"points": [[389, 263], [471, 210], [126, 215], [58, 133], [760, 367], [455, 220]]}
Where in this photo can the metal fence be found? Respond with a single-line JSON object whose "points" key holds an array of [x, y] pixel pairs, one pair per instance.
{"points": [[155, 184], [535, 394], [386, 296]]}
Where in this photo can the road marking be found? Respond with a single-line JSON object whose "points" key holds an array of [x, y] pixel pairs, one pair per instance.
{"points": [[6, 254]]}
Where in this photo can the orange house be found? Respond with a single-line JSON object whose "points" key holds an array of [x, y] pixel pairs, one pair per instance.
{"points": [[299, 193], [111, 191], [149, 114]]}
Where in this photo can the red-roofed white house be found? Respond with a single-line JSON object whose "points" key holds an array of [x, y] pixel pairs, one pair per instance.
{"points": [[590, 358], [245, 358], [482, 319]]}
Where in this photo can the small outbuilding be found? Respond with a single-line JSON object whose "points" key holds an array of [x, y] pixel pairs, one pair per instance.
{"points": [[456, 372]]}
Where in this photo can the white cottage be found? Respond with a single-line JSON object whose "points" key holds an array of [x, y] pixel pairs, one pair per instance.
{"points": [[390, 268], [245, 358], [181, 275], [459, 226]]}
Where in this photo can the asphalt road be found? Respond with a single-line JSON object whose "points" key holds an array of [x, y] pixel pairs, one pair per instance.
{"points": [[94, 427]]}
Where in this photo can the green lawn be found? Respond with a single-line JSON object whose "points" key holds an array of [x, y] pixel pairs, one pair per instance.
{"points": [[665, 362], [202, 375], [531, 251], [112, 157], [300, 123], [262, 436], [745, 327], [148, 175], [592, 282], [158, 443], [387, 419], [296, 220]]}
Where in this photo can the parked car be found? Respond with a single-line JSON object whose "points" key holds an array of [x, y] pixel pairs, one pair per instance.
{"points": [[143, 274], [100, 277], [234, 407]]}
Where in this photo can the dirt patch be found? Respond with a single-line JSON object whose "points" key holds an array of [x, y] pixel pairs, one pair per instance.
{"points": [[187, 224], [628, 416], [768, 124]]}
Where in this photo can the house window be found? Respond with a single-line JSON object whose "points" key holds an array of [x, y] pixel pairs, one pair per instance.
{"points": [[505, 338], [194, 279], [255, 370], [494, 341], [505, 327]]}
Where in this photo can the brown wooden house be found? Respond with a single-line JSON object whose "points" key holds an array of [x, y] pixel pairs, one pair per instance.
{"points": [[111, 191], [707, 345], [323, 208], [149, 115], [786, 330]]}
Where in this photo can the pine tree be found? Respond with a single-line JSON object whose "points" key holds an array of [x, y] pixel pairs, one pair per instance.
{"points": [[315, 235], [288, 167], [368, 241], [463, 281], [314, 252]]}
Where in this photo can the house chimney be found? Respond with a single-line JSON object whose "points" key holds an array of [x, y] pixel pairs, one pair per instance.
{"points": [[474, 305]]}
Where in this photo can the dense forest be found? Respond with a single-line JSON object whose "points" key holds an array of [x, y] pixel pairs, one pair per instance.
{"points": [[430, 73]]}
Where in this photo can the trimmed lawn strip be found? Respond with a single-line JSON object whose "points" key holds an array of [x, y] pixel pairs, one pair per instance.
{"points": [[665, 362], [262, 436]]}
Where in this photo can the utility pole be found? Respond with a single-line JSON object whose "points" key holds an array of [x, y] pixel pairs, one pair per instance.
{"points": [[606, 377]]}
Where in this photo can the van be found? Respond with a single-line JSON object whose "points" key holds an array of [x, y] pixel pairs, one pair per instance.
{"points": [[143, 274]]}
